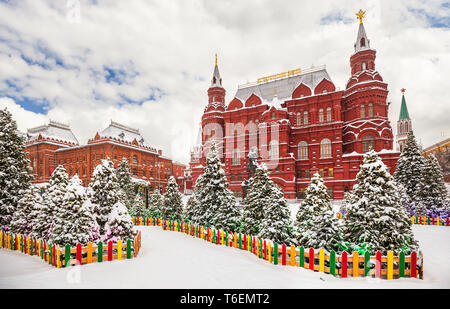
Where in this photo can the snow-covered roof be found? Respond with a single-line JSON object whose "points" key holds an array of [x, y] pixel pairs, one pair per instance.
{"points": [[122, 132], [283, 88], [53, 130]]}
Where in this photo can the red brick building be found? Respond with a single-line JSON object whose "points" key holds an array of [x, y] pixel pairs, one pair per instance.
{"points": [[300, 124], [53, 144]]}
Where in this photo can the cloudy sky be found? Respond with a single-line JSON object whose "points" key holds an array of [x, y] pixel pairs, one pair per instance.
{"points": [[148, 64]]}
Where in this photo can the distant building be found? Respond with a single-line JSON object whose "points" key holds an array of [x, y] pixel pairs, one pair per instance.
{"points": [[404, 124], [300, 124], [53, 144], [441, 151]]}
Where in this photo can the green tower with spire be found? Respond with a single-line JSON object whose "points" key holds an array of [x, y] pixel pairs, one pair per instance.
{"points": [[403, 124]]}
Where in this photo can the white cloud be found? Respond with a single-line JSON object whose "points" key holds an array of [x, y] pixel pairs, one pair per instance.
{"points": [[165, 50]]}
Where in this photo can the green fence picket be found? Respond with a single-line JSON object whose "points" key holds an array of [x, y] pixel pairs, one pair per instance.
{"points": [[366, 263], [401, 268], [100, 252], [275, 254], [128, 249], [332, 263], [302, 256], [67, 255]]}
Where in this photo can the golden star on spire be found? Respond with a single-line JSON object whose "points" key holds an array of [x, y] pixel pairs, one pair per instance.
{"points": [[361, 14]]}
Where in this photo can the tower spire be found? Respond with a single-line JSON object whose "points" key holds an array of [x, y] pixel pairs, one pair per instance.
{"points": [[403, 109], [216, 80], [362, 42]]}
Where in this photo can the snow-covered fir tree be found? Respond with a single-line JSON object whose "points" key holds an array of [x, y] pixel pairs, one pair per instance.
{"points": [[74, 222], [409, 167], [316, 223], [215, 202], [227, 216], [119, 224], [258, 197], [405, 201], [138, 208], [155, 204], [172, 205], [14, 168], [105, 191], [53, 201], [375, 216], [277, 224], [431, 190], [24, 217], [191, 205], [125, 183]]}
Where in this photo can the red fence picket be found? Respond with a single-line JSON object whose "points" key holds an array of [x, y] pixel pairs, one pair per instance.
{"points": [[110, 250], [344, 265], [413, 264], [378, 265], [283, 255], [311, 258], [79, 253]]}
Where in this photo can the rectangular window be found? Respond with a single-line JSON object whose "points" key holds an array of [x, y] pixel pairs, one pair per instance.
{"points": [[330, 172], [321, 172], [363, 112], [370, 114], [307, 174], [236, 157]]}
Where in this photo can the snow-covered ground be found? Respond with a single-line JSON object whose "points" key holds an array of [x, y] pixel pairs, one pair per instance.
{"points": [[174, 260]]}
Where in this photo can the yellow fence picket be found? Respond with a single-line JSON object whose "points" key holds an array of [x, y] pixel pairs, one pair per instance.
{"points": [[355, 264], [390, 265], [321, 260], [89, 253], [119, 249], [292, 255], [269, 255]]}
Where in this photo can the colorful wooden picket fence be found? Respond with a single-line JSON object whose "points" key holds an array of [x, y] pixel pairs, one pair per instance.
{"points": [[420, 220], [343, 266], [78, 255]]}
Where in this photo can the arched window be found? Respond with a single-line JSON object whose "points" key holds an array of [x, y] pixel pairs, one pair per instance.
{"points": [[364, 66], [325, 148], [135, 159], [302, 151], [273, 115], [273, 150], [134, 172], [370, 114], [321, 115], [363, 111], [363, 42], [236, 157], [329, 114], [299, 119], [368, 143], [305, 118]]}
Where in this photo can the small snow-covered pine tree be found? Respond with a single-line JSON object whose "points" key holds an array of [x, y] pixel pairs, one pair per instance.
{"points": [[172, 204], [105, 191], [316, 224], [431, 190], [409, 167], [47, 223], [138, 208], [119, 224], [188, 211], [258, 197], [214, 199], [155, 204], [14, 168], [74, 221], [23, 218], [125, 183], [277, 224], [375, 216]]}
